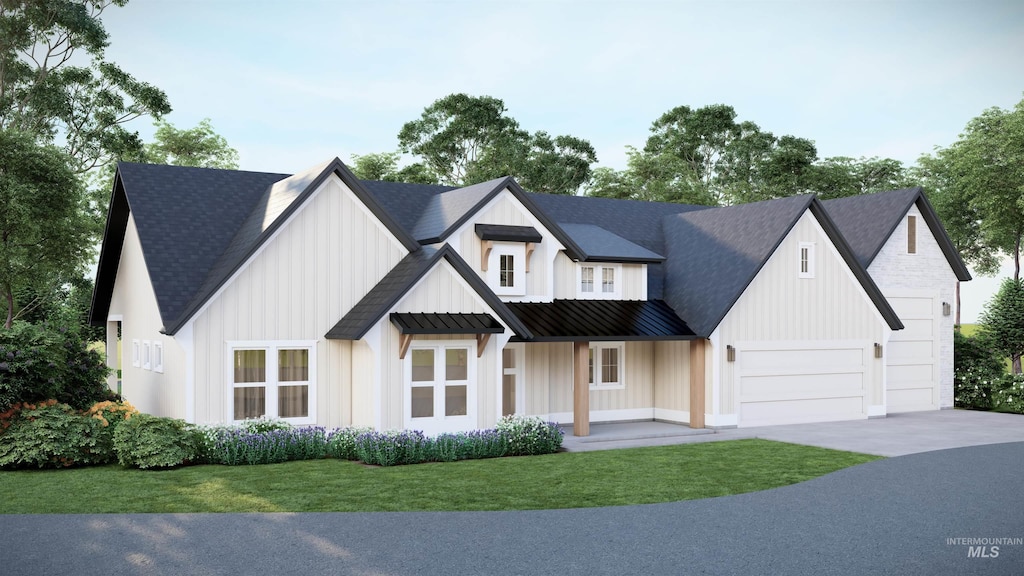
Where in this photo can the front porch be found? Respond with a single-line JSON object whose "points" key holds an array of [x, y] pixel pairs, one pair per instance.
{"points": [[609, 435]]}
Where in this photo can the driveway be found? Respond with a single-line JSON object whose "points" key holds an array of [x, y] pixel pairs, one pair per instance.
{"points": [[895, 435]]}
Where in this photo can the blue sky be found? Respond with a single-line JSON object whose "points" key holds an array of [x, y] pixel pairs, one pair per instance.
{"points": [[290, 84]]}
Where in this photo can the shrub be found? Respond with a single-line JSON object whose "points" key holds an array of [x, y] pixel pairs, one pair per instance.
{"points": [[145, 441], [110, 414], [341, 443], [977, 371], [1010, 395], [393, 447], [469, 446], [50, 435], [263, 424], [39, 362], [234, 445], [528, 435]]}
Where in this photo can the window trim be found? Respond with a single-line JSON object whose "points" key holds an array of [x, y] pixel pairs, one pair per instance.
{"points": [[136, 353], [158, 356], [271, 347], [147, 355], [439, 422], [911, 234], [809, 272], [518, 252], [598, 292], [595, 349]]}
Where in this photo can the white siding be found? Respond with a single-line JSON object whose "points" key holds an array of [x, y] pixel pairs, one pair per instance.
{"points": [[161, 394], [672, 380], [505, 210], [779, 306], [926, 273], [319, 264]]}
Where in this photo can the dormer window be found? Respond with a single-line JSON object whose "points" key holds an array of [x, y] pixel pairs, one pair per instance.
{"points": [[505, 256], [598, 281]]}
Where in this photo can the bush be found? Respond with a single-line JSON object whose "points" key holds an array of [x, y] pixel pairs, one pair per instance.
{"points": [[393, 447], [527, 435], [341, 443], [110, 414], [469, 446], [977, 371], [50, 435], [1010, 395], [39, 362], [145, 441], [234, 445]]}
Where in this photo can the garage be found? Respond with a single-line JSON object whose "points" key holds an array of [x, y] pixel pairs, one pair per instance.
{"points": [[912, 371], [791, 382]]}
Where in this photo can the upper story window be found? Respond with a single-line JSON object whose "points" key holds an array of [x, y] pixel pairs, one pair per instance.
{"points": [[911, 234], [598, 281], [807, 259], [506, 270]]}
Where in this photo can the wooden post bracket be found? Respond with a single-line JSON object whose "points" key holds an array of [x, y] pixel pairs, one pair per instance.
{"points": [[404, 340], [481, 343], [485, 254]]}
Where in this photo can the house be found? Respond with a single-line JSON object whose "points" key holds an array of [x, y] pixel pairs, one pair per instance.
{"points": [[322, 299]]}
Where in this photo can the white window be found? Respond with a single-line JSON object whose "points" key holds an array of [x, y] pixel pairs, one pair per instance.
{"points": [[146, 357], [136, 353], [440, 386], [598, 281], [506, 268], [607, 365], [911, 234], [158, 356], [273, 379], [806, 254]]}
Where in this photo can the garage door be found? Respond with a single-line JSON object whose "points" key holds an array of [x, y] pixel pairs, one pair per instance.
{"points": [[788, 383], [912, 370]]}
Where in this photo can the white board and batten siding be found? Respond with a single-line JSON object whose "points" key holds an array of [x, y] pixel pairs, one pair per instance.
{"points": [[133, 302], [919, 374], [440, 290], [504, 209], [319, 264], [632, 279], [804, 346]]}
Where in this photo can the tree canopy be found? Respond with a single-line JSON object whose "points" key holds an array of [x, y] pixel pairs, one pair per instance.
{"points": [[466, 139], [1003, 321], [44, 228], [199, 146], [44, 92]]}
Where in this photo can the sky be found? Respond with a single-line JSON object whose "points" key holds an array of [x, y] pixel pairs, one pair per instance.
{"points": [[290, 84]]}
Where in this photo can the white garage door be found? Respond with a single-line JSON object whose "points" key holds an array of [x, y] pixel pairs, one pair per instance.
{"points": [[912, 369], [788, 383]]}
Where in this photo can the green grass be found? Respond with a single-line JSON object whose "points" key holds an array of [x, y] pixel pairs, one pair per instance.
{"points": [[563, 480]]}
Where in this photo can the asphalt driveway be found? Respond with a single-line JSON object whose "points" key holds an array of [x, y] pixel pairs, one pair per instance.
{"points": [[893, 516]]}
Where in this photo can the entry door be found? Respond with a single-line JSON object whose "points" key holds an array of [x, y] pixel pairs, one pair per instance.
{"points": [[512, 398], [440, 387]]}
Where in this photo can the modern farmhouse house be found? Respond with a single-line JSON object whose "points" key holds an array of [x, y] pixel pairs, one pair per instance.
{"points": [[323, 299]]}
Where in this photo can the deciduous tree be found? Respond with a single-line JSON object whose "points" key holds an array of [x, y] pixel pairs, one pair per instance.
{"points": [[199, 146], [1003, 321]]}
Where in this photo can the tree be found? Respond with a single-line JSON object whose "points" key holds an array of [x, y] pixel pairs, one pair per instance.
{"points": [[986, 166], [44, 94], [961, 218], [466, 139], [649, 177], [1003, 321], [384, 166], [841, 176], [43, 227], [199, 146]]}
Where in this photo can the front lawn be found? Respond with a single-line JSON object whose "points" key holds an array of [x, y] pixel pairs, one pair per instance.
{"points": [[563, 480]]}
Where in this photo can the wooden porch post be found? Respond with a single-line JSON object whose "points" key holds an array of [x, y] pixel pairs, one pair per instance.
{"points": [[581, 389], [697, 348]]}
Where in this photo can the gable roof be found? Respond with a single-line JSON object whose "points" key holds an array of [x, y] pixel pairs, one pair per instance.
{"points": [[396, 283], [869, 220], [221, 218], [713, 255], [600, 245]]}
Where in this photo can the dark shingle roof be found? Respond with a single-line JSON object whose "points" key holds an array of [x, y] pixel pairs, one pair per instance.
{"points": [[601, 320], [403, 277], [713, 255], [600, 245], [186, 218], [448, 210], [867, 222], [405, 202]]}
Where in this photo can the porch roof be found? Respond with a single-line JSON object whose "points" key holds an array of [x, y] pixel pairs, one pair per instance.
{"points": [[445, 323], [600, 320]]}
